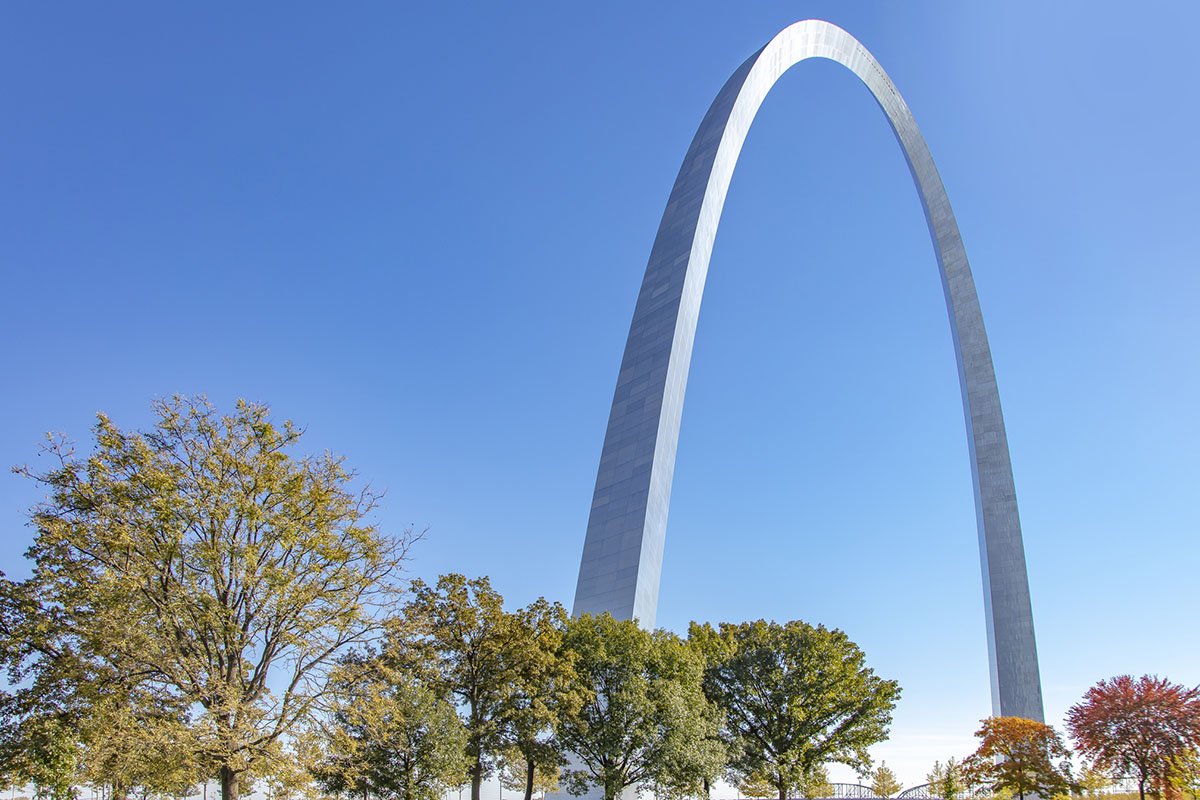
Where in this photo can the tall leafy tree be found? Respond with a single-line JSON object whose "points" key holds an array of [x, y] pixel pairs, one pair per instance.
{"points": [[208, 562], [389, 737], [458, 636], [1020, 756], [542, 686], [696, 761], [1139, 726], [718, 744], [884, 782], [643, 719], [795, 697]]}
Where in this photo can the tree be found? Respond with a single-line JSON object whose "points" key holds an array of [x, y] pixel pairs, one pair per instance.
{"points": [[458, 636], [815, 784], [1139, 727], [286, 772], [119, 733], [642, 718], [47, 757], [884, 782], [795, 698], [207, 561], [389, 736], [514, 773], [1185, 774], [712, 651], [542, 684], [692, 764], [1092, 782], [946, 782], [39, 741], [1021, 756], [757, 785], [131, 743]]}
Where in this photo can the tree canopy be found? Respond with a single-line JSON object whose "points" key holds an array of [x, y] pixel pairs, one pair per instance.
{"points": [[795, 697], [884, 782], [1144, 727], [1020, 756], [206, 600], [389, 737], [946, 781], [642, 718], [204, 566], [543, 688], [459, 638]]}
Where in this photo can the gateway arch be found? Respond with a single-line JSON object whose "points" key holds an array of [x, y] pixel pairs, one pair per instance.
{"points": [[623, 550]]}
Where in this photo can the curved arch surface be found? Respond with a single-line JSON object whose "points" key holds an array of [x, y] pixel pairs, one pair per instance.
{"points": [[623, 549]]}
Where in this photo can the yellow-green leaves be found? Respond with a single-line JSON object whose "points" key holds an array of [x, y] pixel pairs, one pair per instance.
{"points": [[208, 564]]}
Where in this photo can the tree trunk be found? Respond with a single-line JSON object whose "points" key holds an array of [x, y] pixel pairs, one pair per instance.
{"points": [[229, 784], [1142, 788], [782, 791], [477, 777], [707, 789], [528, 778]]}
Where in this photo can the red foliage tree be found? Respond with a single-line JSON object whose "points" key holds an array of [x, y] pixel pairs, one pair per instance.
{"points": [[1139, 727]]}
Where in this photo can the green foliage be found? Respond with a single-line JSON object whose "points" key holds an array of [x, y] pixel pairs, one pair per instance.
{"points": [[122, 732], [1184, 773], [131, 742], [201, 564], [884, 782], [643, 719], [795, 698], [815, 784], [948, 781], [48, 758], [390, 737], [505, 671], [514, 771], [543, 686], [1093, 782], [457, 637]]}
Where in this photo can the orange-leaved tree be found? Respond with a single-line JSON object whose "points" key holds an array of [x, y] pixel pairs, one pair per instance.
{"points": [[1140, 727], [1020, 756]]}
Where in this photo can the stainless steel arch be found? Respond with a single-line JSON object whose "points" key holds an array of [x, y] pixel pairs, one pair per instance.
{"points": [[622, 553]]}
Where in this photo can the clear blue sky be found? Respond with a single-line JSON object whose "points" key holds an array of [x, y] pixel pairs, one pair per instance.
{"points": [[420, 233]]}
